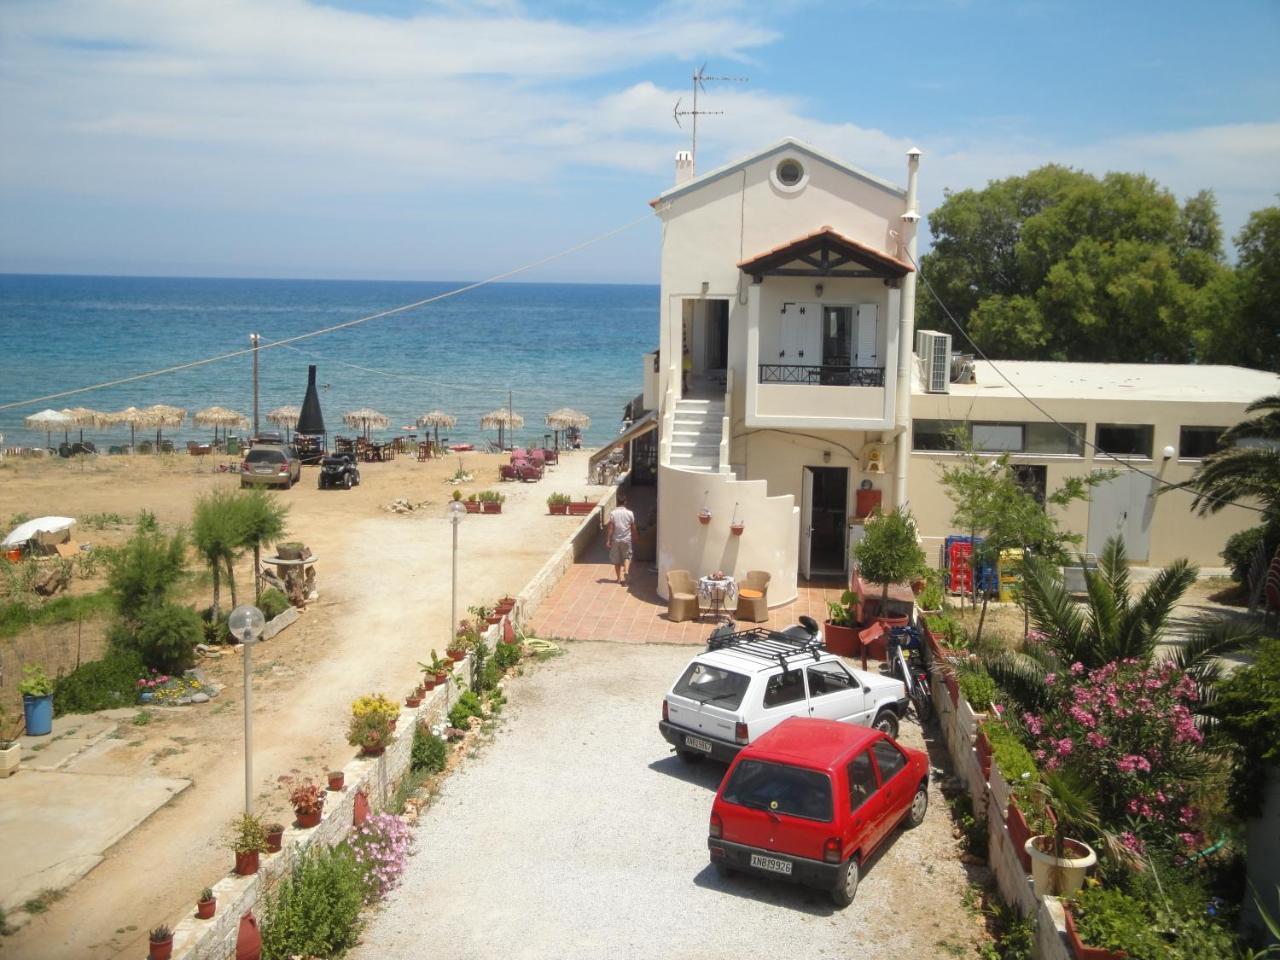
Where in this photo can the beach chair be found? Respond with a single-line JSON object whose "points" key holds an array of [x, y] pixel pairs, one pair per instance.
{"points": [[145, 446], [682, 596], [166, 446], [509, 471]]}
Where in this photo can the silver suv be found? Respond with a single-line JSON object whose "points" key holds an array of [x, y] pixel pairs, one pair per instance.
{"points": [[270, 465], [749, 681]]}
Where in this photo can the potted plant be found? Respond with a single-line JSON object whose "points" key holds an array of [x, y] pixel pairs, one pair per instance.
{"points": [[10, 746], [160, 943], [336, 779], [580, 508], [1059, 863], [558, 504], [491, 501], [308, 803], [275, 837], [248, 840], [371, 724], [1104, 923], [506, 605], [414, 699], [457, 494], [931, 597], [889, 552], [704, 516], [473, 505], [736, 526], [439, 669], [207, 905], [841, 626], [37, 700]]}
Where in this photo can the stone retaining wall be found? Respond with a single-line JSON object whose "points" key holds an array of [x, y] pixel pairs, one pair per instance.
{"points": [[958, 725], [545, 580]]}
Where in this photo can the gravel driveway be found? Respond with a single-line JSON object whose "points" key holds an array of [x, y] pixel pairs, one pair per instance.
{"points": [[577, 833]]}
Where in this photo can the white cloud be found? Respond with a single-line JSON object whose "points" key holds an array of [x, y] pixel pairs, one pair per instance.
{"points": [[280, 107]]}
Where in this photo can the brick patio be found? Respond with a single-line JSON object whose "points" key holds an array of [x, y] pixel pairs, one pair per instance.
{"points": [[588, 604]]}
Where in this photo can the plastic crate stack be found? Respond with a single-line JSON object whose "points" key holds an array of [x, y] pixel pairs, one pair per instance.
{"points": [[957, 552]]}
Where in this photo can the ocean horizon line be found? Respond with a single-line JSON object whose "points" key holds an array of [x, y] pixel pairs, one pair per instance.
{"points": [[460, 283]]}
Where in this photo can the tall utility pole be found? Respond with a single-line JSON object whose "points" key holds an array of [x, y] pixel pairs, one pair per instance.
{"points": [[253, 340], [699, 80]]}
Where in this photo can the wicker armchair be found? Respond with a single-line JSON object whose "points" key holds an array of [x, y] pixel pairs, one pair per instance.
{"points": [[753, 597], [682, 596]]}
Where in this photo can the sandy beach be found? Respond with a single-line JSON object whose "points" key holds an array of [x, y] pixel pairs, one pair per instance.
{"points": [[384, 584]]}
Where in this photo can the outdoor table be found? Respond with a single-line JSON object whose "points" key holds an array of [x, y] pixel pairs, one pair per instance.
{"points": [[717, 591]]}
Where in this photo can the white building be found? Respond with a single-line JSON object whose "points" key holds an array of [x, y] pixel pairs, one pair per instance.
{"points": [[783, 384]]}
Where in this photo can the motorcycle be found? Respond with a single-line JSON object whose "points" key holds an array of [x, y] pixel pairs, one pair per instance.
{"points": [[905, 652]]}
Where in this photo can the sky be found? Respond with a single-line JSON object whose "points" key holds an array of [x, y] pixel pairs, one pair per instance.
{"points": [[450, 140]]}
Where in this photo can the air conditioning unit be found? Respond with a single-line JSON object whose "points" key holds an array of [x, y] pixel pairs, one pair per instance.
{"points": [[933, 350]]}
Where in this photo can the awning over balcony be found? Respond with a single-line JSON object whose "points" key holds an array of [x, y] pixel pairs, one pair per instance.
{"points": [[825, 253], [638, 429]]}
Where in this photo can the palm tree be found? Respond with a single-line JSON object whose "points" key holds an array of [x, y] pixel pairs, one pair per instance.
{"points": [[1240, 472], [217, 537], [1111, 625], [262, 519]]}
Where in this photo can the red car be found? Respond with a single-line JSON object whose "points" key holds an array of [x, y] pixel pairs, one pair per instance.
{"points": [[811, 800]]}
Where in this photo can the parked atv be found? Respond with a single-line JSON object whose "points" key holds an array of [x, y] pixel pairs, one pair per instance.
{"points": [[339, 470]]}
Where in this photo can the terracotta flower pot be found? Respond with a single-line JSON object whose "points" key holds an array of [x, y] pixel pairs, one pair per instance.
{"points": [[455, 654], [983, 747], [842, 641], [558, 509], [491, 506], [336, 779], [160, 949], [428, 684], [206, 908], [441, 679], [1082, 950], [413, 701], [704, 517], [493, 618], [737, 528], [473, 506], [372, 751], [274, 839], [308, 820], [1019, 833], [247, 863], [506, 605]]}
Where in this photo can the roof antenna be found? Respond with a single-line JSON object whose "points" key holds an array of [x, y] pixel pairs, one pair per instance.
{"points": [[699, 80]]}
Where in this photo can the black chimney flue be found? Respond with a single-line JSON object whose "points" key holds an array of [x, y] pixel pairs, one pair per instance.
{"points": [[311, 420]]}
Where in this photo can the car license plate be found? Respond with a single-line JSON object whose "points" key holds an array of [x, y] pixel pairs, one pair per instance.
{"points": [[772, 864], [697, 743]]}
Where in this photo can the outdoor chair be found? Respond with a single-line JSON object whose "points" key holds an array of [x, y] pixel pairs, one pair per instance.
{"points": [[753, 597], [424, 451], [166, 446], [682, 596], [145, 446], [114, 450], [508, 471], [530, 471], [551, 455]]}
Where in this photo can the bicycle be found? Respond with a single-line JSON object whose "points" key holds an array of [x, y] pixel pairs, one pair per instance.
{"points": [[907, 664]]}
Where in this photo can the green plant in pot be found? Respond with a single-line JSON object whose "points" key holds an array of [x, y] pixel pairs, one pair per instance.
{"points": [[889, 552], [207, 904], [841, 627], [247, 840], [37, 700], [160, 942], [1059, 861]]}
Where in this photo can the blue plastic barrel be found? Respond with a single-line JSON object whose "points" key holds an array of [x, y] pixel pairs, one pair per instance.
{"points": [[39, 715]]}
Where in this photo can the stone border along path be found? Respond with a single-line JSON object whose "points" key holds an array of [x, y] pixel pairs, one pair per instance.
{"points": [[379, 777]]}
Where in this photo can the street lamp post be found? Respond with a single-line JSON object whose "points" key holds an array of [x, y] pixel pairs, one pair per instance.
{"points": [[456, 512], [245, 624]]}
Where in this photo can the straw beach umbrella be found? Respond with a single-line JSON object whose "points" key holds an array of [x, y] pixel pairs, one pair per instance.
{"points": [[437, 419], [162, 415], [220, 417], [502, 419], [84, 417], [564, 418], [367, 420], [49, 421], [285, 417], [133, 417]]}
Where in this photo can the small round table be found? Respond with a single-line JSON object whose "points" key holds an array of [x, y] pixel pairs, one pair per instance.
{"points": [[717, 591]]}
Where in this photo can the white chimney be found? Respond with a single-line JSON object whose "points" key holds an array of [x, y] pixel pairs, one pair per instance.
{"points": [[684, 166]]}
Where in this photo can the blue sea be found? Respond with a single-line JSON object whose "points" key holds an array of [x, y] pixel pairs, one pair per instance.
{"points": [[550, 345]]}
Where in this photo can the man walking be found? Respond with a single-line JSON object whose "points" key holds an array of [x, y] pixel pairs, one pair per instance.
{"points": [[619, 536]]}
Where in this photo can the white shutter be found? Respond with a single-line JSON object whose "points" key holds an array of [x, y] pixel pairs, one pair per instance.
{"points": [[867, 354]]}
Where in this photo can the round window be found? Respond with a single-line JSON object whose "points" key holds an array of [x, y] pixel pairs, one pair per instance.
{"points": [[790, 172]]}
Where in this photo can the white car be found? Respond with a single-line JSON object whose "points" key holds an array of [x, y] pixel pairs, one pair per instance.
{"points": [[749, 681]]}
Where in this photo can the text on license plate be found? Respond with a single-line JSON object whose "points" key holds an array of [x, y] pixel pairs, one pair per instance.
{"points": [[772, 864], [697, 743]]}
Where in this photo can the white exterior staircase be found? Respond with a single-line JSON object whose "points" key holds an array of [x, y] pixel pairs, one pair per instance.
{"points": [[696, 432]]}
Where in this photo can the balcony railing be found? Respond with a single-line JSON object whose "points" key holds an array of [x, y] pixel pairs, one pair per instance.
{"points": [[828, 375]]}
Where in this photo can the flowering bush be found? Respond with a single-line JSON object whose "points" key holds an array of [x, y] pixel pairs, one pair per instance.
{"points": [[306, 797], [374, 703], [1127, 728], [381, 845]]}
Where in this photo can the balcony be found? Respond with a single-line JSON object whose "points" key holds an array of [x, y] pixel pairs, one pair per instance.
{"points": [[826, 375]]}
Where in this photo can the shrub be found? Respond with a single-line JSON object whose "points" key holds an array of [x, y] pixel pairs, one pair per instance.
{"points": [[506, 655], [374, 703], [468, 706], [272, 603], [145, 570], [164, 635], [1247, 707], [1149, 928], [370, 731], [315, 911], [247, 834], [1241, 548], [976, 684], [429, 753], [35, 682], [100, 685], [381, 845]]}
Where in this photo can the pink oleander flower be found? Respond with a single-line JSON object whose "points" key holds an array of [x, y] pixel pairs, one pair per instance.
{"points": [[1050, 679]]}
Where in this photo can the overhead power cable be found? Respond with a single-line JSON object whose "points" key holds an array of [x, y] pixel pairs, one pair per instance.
{"points": [[1045, 413], [346, 324]]}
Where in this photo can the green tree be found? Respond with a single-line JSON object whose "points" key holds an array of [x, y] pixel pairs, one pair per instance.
{"points": [[1112, 625], [1238, 313], [1059, 264], [262, 519], [1247, 467], [141, 580], [992, 503], [889, 551], [217, 534]]}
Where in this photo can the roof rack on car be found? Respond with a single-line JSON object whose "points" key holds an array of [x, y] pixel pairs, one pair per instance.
{"points": [[768, 645]]}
